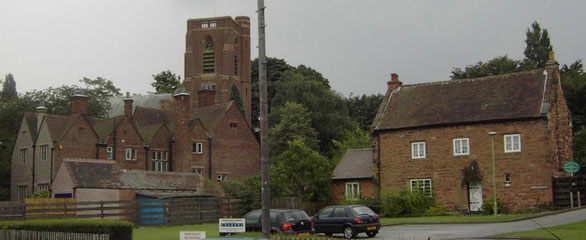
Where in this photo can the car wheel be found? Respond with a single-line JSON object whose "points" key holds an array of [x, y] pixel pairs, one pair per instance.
{"points": [[371, 234], [349, 232]]}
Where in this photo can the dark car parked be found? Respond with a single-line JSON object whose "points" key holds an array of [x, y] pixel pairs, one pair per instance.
{"points": [[283, 221], [349, 220]]}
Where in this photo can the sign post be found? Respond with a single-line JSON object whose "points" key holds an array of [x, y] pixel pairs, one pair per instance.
{"points": [[571, 167], [231, 225]]}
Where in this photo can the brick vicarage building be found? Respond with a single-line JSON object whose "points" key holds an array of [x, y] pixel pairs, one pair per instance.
{"points": [[426, 134], [199, 130]]}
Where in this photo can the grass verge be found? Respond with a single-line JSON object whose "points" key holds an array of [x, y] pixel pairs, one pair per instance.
{"points": [[172, 232], [575, 230], [458, 218]]}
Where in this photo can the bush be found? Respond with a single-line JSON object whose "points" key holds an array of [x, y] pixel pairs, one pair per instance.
{"points": [[372, 203], [438, 209], [488, 206], [405, 203], [120, 230], [41, 194]]}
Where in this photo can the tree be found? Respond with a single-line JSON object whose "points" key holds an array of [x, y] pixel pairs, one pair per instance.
{"points": [[275, 69], [495, 66], [9, 88], [580, 147], [538, 47], [327, 109], [292, 123], [574, 85], [353, 138], [304, 172], [235, 96], [166, 82], [362, 109]]}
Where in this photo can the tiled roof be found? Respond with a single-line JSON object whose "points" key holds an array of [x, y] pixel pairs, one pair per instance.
{"points": [[356, 163], [59, 125], [106, 174], [150, 116], [149, 132], [31, 120], [210, 116], [104, 127], [148, 101], [501, 97]]}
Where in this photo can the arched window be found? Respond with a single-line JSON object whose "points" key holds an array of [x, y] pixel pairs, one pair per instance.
{"points": [[208, 55]]}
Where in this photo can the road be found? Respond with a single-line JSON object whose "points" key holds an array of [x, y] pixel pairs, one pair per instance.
{"points": [[467, 231]]}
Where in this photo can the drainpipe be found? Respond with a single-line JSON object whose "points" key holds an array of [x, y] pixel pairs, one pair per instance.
{"points": [[114, 150], [33, 170], [51, 168], [378, 164], [146, 159], [209, 157], [171, 153]]}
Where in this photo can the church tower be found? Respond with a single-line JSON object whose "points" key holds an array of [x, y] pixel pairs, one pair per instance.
{"points": [[217, 56]]}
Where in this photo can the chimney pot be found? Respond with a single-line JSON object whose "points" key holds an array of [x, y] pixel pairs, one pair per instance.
{"points": [[394, 83], [394, 77], [128, 105]]}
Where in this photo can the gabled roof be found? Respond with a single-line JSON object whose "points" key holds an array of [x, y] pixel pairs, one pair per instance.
{"points": [[147, 101], [149, 132], [150, 116], [31, 121], [210, 116], [495, 98], [90, 173], [356, 163], [105, 127], [58, 125]]}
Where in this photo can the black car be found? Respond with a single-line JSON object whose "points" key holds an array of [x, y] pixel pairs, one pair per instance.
{"points": [[283, 221], [349, 220]]}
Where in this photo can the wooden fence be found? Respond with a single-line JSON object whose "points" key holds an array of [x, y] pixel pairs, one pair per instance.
{"points": [[142, 212], [34, 235], [569, 190]]}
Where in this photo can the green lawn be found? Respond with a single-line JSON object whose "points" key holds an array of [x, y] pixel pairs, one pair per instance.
{"points": [[459, 218], [172, 232], [575, 230]]}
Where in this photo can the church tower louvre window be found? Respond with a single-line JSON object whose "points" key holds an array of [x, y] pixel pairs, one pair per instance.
{"points": [[208, 56]]}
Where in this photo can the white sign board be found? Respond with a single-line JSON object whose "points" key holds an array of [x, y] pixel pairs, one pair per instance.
{"points": [[183, 235], [232, 225]]}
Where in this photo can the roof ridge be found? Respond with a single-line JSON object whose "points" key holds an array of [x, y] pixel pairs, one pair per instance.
{"points": [[491, 77]]}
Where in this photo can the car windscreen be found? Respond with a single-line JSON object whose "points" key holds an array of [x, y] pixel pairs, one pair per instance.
{"points": [[362, 210], [296, 216]]}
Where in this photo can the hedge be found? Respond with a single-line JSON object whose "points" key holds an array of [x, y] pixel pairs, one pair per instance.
{"points": [[120, 230]]}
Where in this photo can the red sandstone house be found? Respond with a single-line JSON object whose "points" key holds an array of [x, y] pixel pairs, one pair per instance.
{"points": [[197, 131], [426, 134], [353, 176]]}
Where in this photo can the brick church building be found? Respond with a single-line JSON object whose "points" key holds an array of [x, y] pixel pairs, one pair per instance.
{"points": [[196, 130]]}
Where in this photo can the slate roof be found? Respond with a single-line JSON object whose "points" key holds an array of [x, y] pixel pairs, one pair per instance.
{"points": [[59, 124], [209, 116], [31, 121], [150, 116], [356, 163], [149, 132], [106, 174], [105, 127], [149, 101], [501, 97]]}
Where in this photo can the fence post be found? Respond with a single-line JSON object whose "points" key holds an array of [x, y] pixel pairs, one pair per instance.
{"points": [[579, 200], [102, 209], [571, 199]]}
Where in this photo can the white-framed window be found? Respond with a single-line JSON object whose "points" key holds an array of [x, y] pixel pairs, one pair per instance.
{"points": [[43, 187], [205, 24], [159, 161], [197, 148], [421, 185], [352, 191], [461, 146], [198, 171], [512, 143], [44, 152], [131, 154], [507, 179], [22, 192], [222, 177], [212, 24], [417, 150], [23, 155], [109, 153]]}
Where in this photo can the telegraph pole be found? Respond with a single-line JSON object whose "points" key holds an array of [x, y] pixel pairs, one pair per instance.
{"points": [[264, 124]]}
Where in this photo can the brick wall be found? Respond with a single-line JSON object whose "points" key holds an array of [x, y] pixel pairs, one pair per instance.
{"points": [[128, 137], [530, 169], [160, 142], [78, 142], [367, 189]]}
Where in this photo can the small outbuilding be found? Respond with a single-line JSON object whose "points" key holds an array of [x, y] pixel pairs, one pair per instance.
{"points": [[353, 176]]}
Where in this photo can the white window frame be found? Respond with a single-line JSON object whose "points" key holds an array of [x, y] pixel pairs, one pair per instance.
{"points": [[459, 146], [222, 177], [212, 24], [159, 159], [418, 150], [44, 152], [509, 180], [352, 191], [44, 186], [23, 155], [109, 153], [205, 24], [131, 154], [198, 148], [509, 139], [198, 171], [423, 181]]}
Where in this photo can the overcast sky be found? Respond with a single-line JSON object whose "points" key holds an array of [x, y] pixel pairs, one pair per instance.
{"points": [[355, 44]]}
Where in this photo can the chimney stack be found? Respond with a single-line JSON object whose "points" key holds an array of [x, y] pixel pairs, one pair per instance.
{"points": [[41, 112], [181, 133], [128, 105], [206, 97], [394, 83], [79, 104]]}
